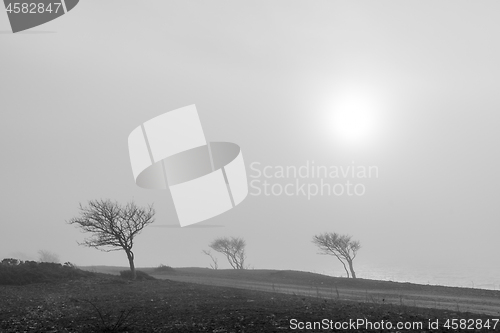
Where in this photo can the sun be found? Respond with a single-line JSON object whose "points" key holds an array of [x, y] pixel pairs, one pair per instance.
{"points": [[353, 121]]}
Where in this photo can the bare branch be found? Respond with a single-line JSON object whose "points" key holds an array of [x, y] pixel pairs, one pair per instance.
{"points": [[233, 248], [215, 264], [112, 227], [341, 246]]}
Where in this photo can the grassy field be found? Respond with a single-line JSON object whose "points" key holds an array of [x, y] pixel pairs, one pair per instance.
{"points": [[304, 283], [108, 303], [478, 301]]}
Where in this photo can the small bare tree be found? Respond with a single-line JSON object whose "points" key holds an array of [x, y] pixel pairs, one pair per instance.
{"points": [[47, 256], [113, 227], [341, 246], [233, 248], [215, 264]]}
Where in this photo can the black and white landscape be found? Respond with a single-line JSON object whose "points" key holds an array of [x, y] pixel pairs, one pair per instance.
{"points": [[368, 130]]}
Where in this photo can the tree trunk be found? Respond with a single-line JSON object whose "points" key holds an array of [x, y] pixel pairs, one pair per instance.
{"points": [[230, 261], [351, 268], [344, 267], [130, 256]]}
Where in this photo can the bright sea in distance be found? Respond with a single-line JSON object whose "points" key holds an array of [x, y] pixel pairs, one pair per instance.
{"points": [[480, 277]]}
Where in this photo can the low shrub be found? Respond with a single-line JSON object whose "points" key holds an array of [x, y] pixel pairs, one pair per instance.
{"points": [[68, 264], [11, 262], [20, 273], [140, 275], [164, 269]]}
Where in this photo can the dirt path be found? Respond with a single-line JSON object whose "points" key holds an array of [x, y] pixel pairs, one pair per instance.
{"points": [[483, 305]]}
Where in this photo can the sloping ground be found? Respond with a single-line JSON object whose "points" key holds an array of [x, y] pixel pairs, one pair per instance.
{"points": [[110, 304], [317, 285]]}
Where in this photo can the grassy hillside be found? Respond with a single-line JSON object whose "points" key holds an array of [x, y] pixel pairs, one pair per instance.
{"points": [[299, 277], [361, 290], [15, 272], [107, 303], [308, 278]]}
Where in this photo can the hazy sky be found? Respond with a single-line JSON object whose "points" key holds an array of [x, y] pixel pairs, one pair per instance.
{"points": [[282, 80]]}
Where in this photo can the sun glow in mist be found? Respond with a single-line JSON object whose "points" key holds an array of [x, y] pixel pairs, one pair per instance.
{"points": [[353, 120]]}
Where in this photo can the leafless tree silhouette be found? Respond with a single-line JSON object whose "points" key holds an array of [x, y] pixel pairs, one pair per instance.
{"points": [[340, 246], [215, 264], [113, 226], [233, 248], [47, 256]]}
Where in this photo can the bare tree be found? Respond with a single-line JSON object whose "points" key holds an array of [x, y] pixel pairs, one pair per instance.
{"points": [[233, 248], [341, 246], [47, 256], [215, 264], [113, 227]]}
